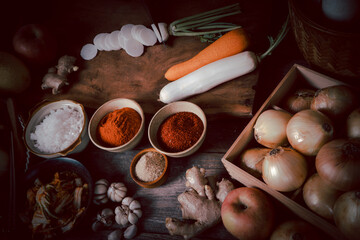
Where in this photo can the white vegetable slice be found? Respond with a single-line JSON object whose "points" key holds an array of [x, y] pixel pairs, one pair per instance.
{"points": [[108, 44], [157, 33], [97, 40], [101, 42], [126, 30], [113, 39], [209, 76], [133, 47], [135, 31], [88, 51], [147, 37], [163, 31], [121, 40]]}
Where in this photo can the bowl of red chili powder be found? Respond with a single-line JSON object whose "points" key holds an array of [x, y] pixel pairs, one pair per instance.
{"points": [[117, 125], [178, 129]]}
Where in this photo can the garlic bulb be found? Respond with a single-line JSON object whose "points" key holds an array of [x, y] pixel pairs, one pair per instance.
{"points": [[106, 217], [116, 192], [100, 191], [128, 212]]}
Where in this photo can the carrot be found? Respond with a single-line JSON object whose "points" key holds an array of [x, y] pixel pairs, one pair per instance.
{"points": [[229, 44]]}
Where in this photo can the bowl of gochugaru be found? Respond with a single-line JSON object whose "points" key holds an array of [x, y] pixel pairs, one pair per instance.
{"points": [[178, 129], [56, 129], [117, 125], [58, 193]]}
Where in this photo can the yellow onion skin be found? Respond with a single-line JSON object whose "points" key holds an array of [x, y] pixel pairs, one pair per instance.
{"points": [[284, 169], [308, 130], [270, 128], [347, 214], [251, 160], [320, 196], [300, 100], [338, 163], [334, 101], [353, 124], [295, 229]]}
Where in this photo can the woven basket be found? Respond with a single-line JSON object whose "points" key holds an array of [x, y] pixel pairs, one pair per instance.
{"points": [[329, 50]]}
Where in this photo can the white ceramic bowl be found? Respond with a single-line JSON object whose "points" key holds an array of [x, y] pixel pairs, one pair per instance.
{"points": [[38, 114], [110, 106], [165, 112]]}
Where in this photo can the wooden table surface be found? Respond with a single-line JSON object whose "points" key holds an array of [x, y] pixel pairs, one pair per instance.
{"points": [[161, 202]]}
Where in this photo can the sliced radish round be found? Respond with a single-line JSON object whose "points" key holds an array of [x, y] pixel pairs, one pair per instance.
{"points": [[108, 43], [126, 30], [101, 42], [157, 33], [88, 51], [147, 37], [97, 40], [133, 47], [135, 31], [113, 39], [163, 31], [121, 40]]}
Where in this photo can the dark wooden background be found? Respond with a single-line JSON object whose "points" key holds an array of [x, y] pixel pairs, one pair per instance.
{"points": [[263, 17]]}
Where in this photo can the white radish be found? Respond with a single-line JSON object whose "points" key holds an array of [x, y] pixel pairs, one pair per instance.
{"points": [[133, 47], [157, 33], [101, 42], [88, 51], [163, 31], [126, 31], [135, 31], [113, 39], [147, 37], [97, 40], [121, 40], [209, 76]]}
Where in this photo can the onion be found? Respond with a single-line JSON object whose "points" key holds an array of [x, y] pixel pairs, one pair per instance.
{"points": [[284, 169], [308, 130], [295, 229], [353, 124], [335, 101], [338, 162], [270, 128], [300, 100], [320, 197], [251, 160], [347, 214]]}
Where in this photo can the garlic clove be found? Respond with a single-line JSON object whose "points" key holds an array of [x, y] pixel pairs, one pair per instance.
{"points": [[138, 212], [133, 218], [135, 204], [115, 235], [126, 201], [130, 232]]}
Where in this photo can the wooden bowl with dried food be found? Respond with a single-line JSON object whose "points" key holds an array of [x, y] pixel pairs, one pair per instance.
{"points": [[149, 168]]}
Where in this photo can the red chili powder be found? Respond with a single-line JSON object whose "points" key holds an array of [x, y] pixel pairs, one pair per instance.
{"points": [[180, 131], [119, 127]]}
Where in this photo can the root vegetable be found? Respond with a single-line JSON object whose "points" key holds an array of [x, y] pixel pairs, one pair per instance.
{"points": [[230, 44], [56, 77], [199, 203], [88, 51], [157, 33], [251, 160], [163, 31]]}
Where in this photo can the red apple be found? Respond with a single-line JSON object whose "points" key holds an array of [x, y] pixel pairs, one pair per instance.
{"points": [[248, 213], [35, 43]]}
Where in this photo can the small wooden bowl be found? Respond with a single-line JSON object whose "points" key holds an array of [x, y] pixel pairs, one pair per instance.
{"points": [[157, 182]]}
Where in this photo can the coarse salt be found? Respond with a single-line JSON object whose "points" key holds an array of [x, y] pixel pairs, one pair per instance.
{"points": [[58, 130]]}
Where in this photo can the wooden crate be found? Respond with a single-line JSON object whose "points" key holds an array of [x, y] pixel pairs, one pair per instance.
{"points": [[298, 76]]}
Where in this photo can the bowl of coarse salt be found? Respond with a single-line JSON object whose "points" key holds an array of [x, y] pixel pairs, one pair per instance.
{"points": [[57, 128]]}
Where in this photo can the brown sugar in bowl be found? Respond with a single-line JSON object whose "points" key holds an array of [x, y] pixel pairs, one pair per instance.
{"points": [[153, 184]]}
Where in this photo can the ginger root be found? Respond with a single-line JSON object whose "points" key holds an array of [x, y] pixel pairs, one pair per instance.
{"points": [[56, 77], [199, 203]]}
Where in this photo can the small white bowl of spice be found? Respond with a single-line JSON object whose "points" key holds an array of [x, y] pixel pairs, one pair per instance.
{"points": [[149, 168], [57, 128], [178, 129]]}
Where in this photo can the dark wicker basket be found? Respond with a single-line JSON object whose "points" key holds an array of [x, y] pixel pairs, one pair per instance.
{"points": [[332, 51]]}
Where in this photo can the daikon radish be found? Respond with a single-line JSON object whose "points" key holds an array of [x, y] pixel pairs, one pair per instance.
{"points": [[147, 37], [97, 41], [209, 76], [126, 31], [163, 31], [113, 39], [229, 44], [121, 40], [157, 33], [135, 31], [133, 47], [88, 51]]}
